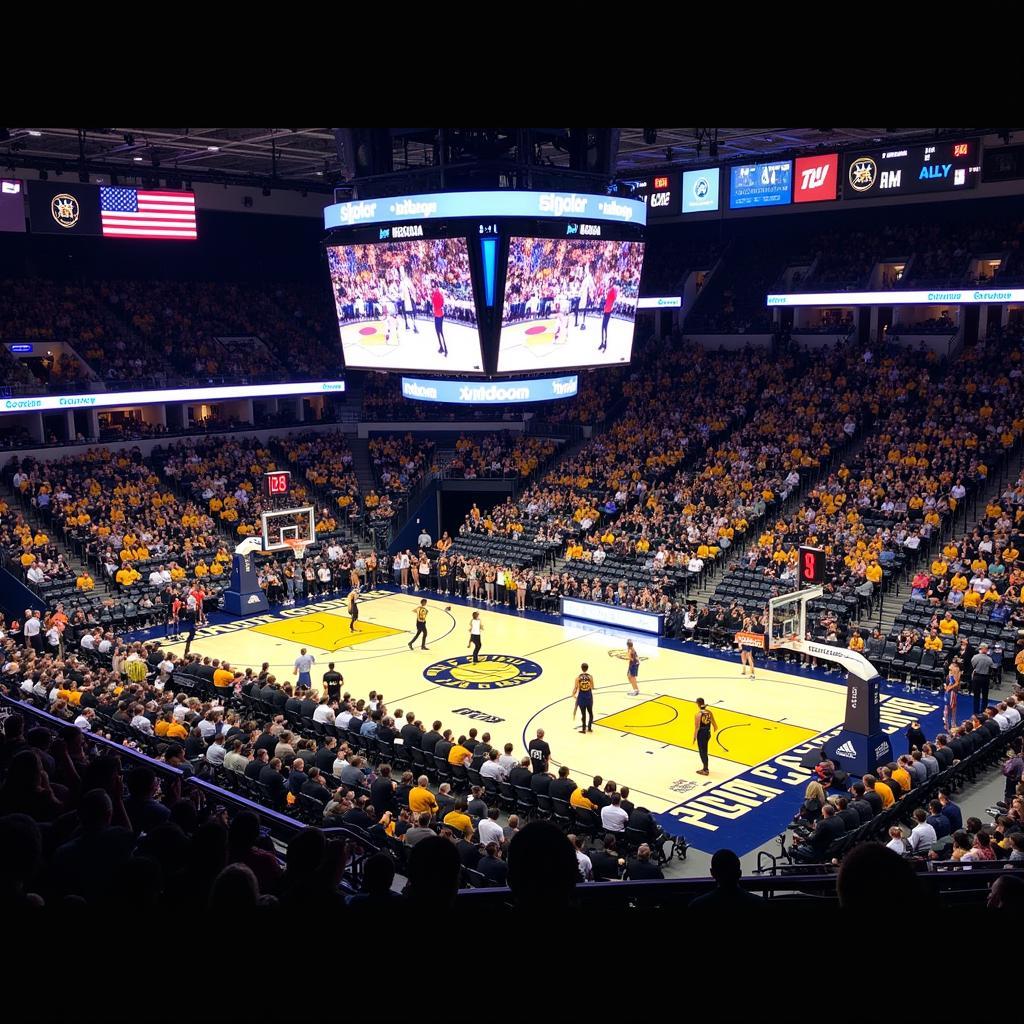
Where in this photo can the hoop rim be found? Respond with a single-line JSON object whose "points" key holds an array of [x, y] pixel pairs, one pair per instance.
{"points": [[297, 545]]}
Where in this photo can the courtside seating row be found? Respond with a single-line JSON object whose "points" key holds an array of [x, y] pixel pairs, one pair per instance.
{"points": [[917, 665], [967, 770], [514, 800], [976, 626]]}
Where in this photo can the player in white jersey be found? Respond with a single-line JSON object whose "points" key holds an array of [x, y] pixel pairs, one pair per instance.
{"points": [[583, 292], [563, 307], [408, 301], [389, 308]]}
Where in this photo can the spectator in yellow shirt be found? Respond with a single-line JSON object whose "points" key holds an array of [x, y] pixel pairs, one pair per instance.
{"points": [[933, 642], [223, 677], [580, 799], [884, 791], [421, 800], [900, 777], [84, 582], [458, 819], [948, 626], [458, 753], [126, 575]]}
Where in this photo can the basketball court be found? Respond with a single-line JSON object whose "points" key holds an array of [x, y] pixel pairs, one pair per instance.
{"points": [[524, 680], [536, 344], [379, 345]]}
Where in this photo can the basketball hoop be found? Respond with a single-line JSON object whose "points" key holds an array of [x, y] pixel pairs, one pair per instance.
{"points": [[298, 547], [782, 640]]}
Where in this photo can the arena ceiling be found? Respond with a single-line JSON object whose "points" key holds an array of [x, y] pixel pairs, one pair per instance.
{"points": [[297, 157]]}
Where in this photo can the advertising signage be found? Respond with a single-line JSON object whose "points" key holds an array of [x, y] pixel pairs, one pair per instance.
{"points": [[816, 178], [760, 184], [912, 170]]}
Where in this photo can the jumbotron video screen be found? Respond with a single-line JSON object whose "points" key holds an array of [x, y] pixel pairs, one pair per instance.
{"points": [[569, 302], [406, 305]]}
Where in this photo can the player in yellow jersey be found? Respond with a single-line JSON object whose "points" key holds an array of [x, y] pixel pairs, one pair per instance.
{"points": [[421, 625]]}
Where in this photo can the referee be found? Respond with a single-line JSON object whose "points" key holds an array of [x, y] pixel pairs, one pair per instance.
{"points": [[475, 629]]}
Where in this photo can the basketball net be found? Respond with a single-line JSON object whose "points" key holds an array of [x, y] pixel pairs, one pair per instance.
{"points": [[298, 547]]}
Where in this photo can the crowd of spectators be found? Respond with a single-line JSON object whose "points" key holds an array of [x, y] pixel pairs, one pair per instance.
{"points": [[499, 455], [918, 782], [932, 255], [81, 821], [224, 477], [399, 465], [324, 460]]}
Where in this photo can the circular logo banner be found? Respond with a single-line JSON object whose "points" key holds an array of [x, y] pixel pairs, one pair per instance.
{"points": [[491, 672]]}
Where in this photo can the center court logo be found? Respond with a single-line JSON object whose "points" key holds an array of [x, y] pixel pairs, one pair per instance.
{"points": [[491, 672]]}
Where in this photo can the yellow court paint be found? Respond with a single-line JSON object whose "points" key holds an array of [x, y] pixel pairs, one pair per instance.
{"points": [[745, 739], [324, 631]]}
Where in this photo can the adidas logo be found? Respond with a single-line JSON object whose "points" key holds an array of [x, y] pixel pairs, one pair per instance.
{"points": [[253, 599], [847, 750]]}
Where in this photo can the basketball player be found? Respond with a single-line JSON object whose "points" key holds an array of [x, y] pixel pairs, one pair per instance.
{"points": [[746, 653], [583, 691], [633, 668], [586, 286], [407, 303], [609, 304], [703, 725], [353, 609], [475, 629], [421, 625], [563, 308], [949, 694], [437, 305], [392, 301]]}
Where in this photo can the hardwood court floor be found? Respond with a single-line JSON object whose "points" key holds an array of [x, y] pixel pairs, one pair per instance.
{"points": [[524, 680]]}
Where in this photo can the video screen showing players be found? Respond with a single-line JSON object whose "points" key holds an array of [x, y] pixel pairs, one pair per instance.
{"points": [[569, 302], [406, 305]]}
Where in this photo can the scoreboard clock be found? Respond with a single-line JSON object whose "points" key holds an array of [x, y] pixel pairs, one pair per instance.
{"points": [[276, 483], [812, 566]]}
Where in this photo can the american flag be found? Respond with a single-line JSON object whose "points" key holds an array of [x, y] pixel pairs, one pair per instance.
{"points": [[134, 213]]}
